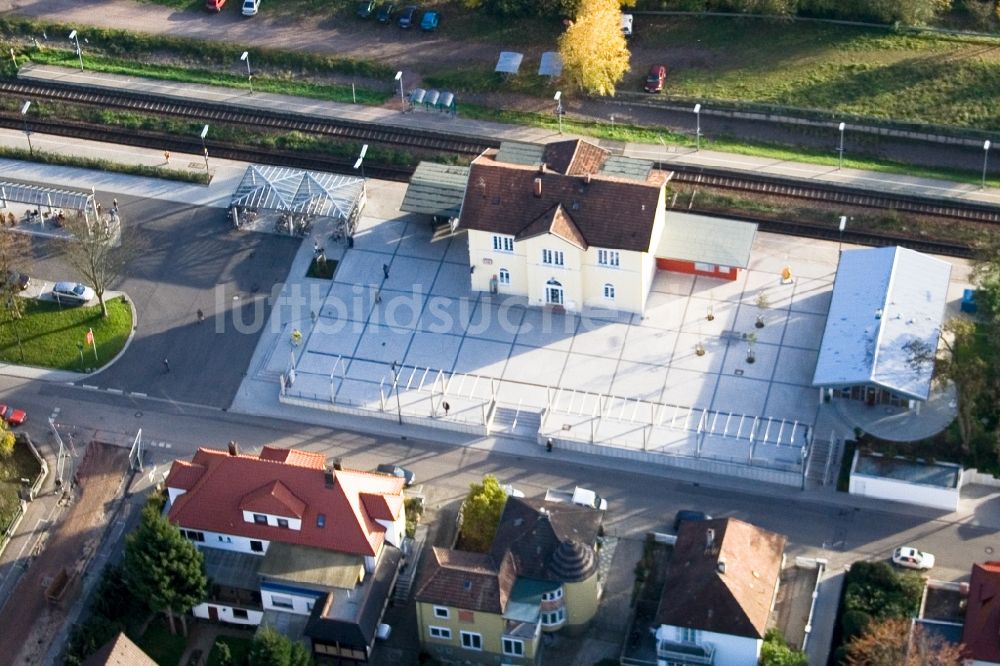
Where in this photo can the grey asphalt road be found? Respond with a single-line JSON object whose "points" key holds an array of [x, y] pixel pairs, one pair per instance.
{"points": [[191, 259]]}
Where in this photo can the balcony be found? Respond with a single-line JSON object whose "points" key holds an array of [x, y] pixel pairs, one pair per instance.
{"points": [[686, 653], [522, 630]]}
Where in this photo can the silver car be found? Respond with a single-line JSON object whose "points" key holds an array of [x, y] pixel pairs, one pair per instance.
{"points": [[72, 292]]}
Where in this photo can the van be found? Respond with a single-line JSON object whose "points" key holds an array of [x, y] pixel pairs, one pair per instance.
{"points": [[627, 25], [250, 7], [214, 5]]}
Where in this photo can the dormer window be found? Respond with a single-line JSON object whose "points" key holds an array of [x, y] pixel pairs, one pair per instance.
{"points": [[260, 519], [283, 523], [321, 520]]}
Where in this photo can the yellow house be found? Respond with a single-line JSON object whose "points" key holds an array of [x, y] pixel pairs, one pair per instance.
{"points": [[565, 225], [540, 576]]}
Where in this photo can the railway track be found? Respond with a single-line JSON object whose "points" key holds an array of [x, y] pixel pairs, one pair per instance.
{"points": [[436, 142]]}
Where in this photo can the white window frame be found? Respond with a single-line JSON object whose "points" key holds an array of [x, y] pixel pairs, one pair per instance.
{"points": [[609, 258], [553, 595], [444, 633], [470, 637], [442, 612], [513, 647], [502, 243], [552, 618], [553, 257], [290, 604], [705, 268], [688, 635], [503, 276], [609, 291]]}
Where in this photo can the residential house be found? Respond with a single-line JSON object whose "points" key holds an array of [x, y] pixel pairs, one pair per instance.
{"points": [[883, 327], [119, 651], [565, 225], [291, 543], [981, 634], [541, 575], [718, 593]]}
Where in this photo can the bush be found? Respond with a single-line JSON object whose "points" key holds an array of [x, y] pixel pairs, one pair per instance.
{"points": [[6, 443], [854, 623]]}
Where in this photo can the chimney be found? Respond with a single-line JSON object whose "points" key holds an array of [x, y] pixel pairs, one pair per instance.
{"points": [[328, 477], [709, 539], [234, 448], [337, 464], [541, 167], [538, 187], [586, 178]]}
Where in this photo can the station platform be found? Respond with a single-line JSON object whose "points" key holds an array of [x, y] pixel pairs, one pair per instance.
{"points": [[395, 113]]}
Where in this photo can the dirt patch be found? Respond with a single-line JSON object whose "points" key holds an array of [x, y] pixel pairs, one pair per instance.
{"points": [[791, 612], [29, 620]]}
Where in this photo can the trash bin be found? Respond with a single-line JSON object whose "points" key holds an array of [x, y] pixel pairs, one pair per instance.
{"points": [[969, 301]]}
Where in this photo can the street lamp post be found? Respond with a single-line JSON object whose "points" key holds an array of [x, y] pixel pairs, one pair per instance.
{"points": [[843, 225], [840, 150], [76, 40], [395, 389], [24, 115], [559, 108], [986, 158], [204, 149], [246, 58], [360, 163], [697, 126], [399, 77]]}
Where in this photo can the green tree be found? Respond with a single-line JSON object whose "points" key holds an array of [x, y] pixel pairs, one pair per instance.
{"points": [[99, 250], [594, 54], [88, 637], [271, 648], [877, 589], [7, 441], [776, 652], [481, 514], [164, 568]]}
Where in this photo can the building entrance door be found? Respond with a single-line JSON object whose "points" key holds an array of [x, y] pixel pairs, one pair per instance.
{"points": [[553, 293]]}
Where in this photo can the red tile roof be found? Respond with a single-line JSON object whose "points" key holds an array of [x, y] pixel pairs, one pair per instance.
{"points": [[462, 579], [294, 457], [606, 211], [722, 578], [214, 501], [274, 498], [184, 475], [574, 157], [981, 634]]}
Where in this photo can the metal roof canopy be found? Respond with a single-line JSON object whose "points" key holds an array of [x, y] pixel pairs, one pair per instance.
{"points": [[509, 62], [436, 189], [627, 167], [515, 152], [551, 64], [35, 195], [884, 299], [310, 192], [706, 240]]}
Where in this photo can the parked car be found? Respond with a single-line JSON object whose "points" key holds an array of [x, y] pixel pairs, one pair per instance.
{"points": [[656, 78], [429, 22], [214, 5], [366, 8], [685, 515], [385, 12], [250, 7], [627, 25], [511, 491], [395, 470], [406, 16], [13, 417], [72, 292], [18, 281], [911, 558]]}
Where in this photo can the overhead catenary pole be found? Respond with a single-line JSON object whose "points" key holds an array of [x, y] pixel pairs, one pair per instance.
{"points": [[204, 148], [840, 149], [24, 115], [697, 126], [399, 77], [246, 58], [76, 40], [559, 108], [986, 158]]}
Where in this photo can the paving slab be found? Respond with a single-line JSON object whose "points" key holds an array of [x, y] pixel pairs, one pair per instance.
{"points": [[411, 274], [664, 310], [741, 395], [641, 380], [589, 373], [544, 328], [689, 388], [384, 343], [535, 365], [596, 338], [804, 330], [646, 344], [444, 315], [482, 357], [433, 350]]}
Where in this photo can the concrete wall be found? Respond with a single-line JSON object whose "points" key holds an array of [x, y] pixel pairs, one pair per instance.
{"points": [[581, 602], [302, 601], [229, 542], [901, 491], [225, 614], [272, 519], [729, 650]]}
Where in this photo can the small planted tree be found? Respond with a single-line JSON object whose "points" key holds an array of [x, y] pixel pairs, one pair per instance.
{"points": [[751, 341], [762, 302], [99, 251], [481, 514]]}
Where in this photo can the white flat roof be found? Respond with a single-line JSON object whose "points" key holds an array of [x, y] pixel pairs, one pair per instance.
{"points": [[884, 300]]}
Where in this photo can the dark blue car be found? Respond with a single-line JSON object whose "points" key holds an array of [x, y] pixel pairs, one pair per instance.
{"points": [[406, 16]]}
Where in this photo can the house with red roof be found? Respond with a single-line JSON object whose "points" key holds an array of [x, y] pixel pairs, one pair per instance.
{"points": [[981, 634], [292, 543]]}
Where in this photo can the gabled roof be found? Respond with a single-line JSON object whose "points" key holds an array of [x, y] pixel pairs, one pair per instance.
{"points": [[723, 576], [470, 581], [981, 634], [295, 457], [436, 189], [184, 475], [606, 211], [558, 222], [706, 239], [214, 501], [119, 651], [273, 498], [884, 301]]}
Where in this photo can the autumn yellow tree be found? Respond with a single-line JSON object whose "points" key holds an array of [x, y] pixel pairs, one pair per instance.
{"points": [[593, 48], [897, 642]]}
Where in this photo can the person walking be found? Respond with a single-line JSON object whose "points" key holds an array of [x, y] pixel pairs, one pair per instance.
{"points": [[166, 365], [201, 315]]}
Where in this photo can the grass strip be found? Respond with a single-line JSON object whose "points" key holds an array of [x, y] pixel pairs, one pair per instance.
{"points": [[100, 164]]}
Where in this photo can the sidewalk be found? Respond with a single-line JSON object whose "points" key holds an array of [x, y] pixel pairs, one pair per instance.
{"points": [[446, 124]]}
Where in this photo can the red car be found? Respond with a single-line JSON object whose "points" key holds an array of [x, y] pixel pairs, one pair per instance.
{"points": [[13, 417], [656, 78]]}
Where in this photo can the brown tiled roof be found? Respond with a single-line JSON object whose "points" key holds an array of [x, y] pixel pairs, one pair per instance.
{"points": [[274, 498], [558, 222], [213, 502], [606, 211], [981, 634], [726, 587], [574, 157], [119, 651], [465, 580]]}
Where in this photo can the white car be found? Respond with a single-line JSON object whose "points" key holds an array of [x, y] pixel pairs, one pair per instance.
{"points": [[511, 491], [911, 558], [72, 292], [627, 25], [250, 7]]}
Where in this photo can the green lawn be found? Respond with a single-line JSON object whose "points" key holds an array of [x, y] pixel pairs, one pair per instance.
{"points": [[239, 648], [163, 647], [21, 465], [49, 335]]}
